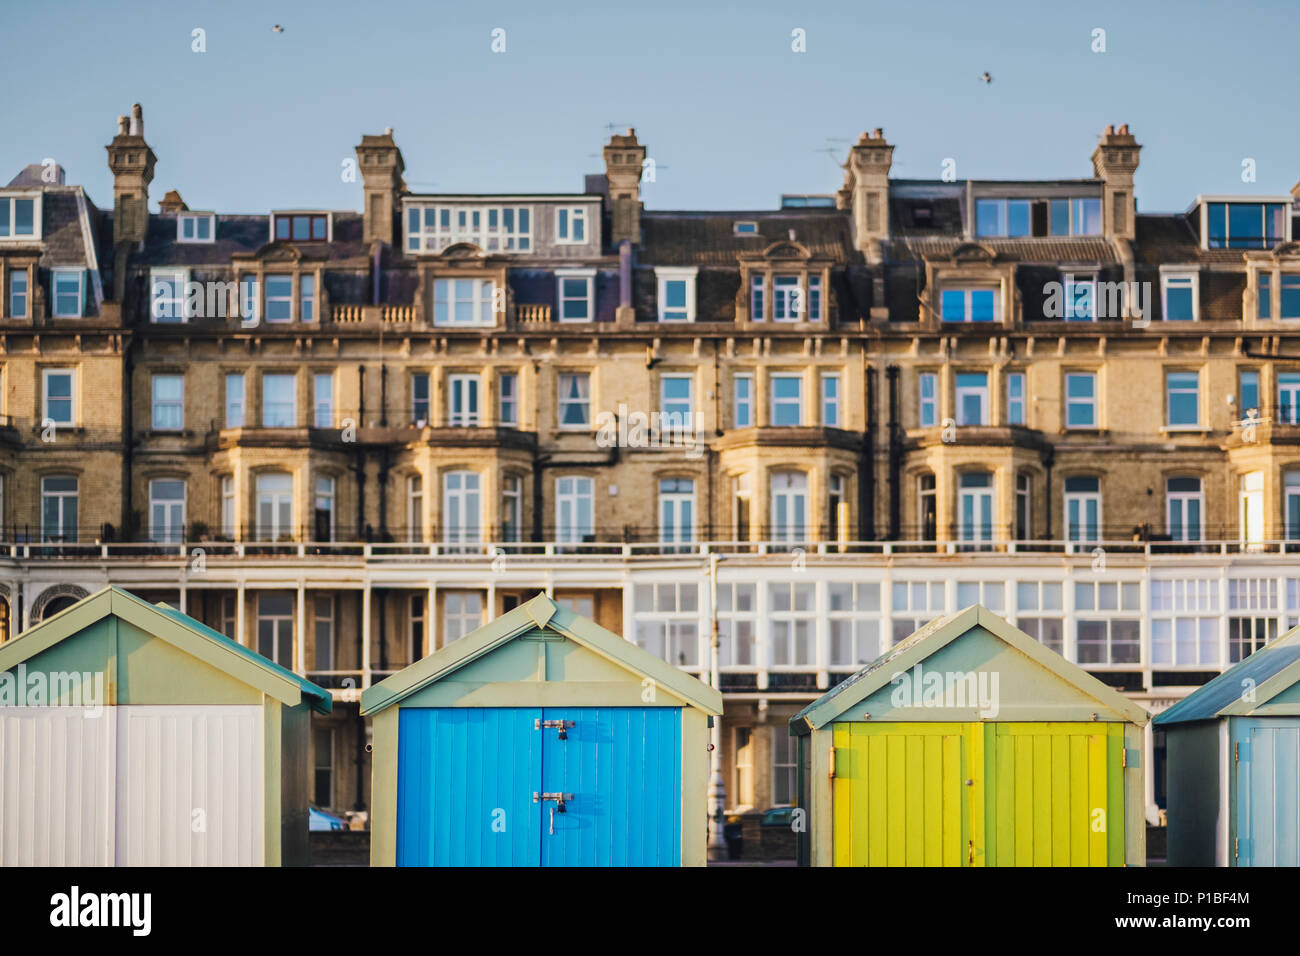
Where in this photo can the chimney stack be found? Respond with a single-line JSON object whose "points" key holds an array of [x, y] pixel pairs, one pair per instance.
{"points": [[382, 167], [866, 191], [132, 163], [624, 157], [1114, 162]]}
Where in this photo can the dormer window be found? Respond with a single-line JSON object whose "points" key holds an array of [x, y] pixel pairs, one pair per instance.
{"points": [[432, 228], [570, 225], [69, 288], [20, 217], [301, 226], [195, 227], [1016, 218], [794, 297], [676, 293], [745, 228], [1244, 225], [1180, 296], [969, 304]]}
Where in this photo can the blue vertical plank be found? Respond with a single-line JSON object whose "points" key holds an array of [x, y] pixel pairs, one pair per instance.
{"points": [[465, 782], [623, 767], [1268, 781]]}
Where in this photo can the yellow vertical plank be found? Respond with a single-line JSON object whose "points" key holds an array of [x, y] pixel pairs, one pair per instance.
{"points": [[1044, 798], [896, 800], [1098, 825], [843, 795], [1078, 801], [1060, 800], [915, 800], [1006, 807], [1024, 777], [974, 797], [875, 827], [933, 795], [954, 836]]}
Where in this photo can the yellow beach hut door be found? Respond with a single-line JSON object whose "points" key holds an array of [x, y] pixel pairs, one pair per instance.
{"points": [[978, 794]]}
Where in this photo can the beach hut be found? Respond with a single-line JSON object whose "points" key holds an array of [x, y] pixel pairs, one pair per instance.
{"points": [[1233, 760], [970, 744], [133, 735], [540, 739]]}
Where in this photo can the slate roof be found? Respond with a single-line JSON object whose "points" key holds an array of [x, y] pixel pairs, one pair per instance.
{"points": [[240, 233], [710, 239], [1216, 698]]}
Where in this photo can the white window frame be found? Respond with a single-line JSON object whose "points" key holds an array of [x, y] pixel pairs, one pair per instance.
{"points": [[268, 298], [26, 293], [574, 502], [588, 276], [508, 398], [55, 275], [672, 529], [1082, 499], [228, 523], [794, 627], [330, 495], [796, 500], [427, 401], [462, 507], [37, 216], [682, 423], [979, 534], [415, 507], [482, 302], [966, 292], [927, 411], [465, 389], [172, 535], [666, 274], [1180, 276], [459, 616], [282, 627], [62, 497], [774, 403], [195, 217], [317, 406], [241, 404], [173, 308], [567, 218], [1070, 286], [437, 236], [758, 297], [276, 499], [72, 397], [1169, 425], [512, 508], [737, 230], [831, 402], [1071, 402], [746, 402], [982, 392], [293, 404], [154, 404], [1022, 400], [562, 403], [1182, 499], [789, 300]]}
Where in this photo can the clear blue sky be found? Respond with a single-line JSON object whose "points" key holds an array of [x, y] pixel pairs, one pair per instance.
{"points": [[730, 114]]}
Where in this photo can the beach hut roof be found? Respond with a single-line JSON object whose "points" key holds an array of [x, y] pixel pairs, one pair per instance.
{"points": [[1248, 688]]}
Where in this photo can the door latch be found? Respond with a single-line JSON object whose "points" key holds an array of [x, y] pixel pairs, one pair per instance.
{"points": [[561, 725], [559, 798]]}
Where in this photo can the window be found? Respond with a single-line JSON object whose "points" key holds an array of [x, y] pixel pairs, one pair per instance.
{"points": [[491, 228], [1002, 217], [508, 398], [737, 623], [573, 509], [787, 400], [1182, 391], [1245, 225], [574, 399], [1107, 640], [323, 385], [167, 291], [279, 409], [234, 399], [756, 288], [968, 305], [167, 511], [322, 756], [676, 294], [462, 612], [59, 509], [462, 391], [1248, 386], [914, 604], [789, 505], [168, 402], [59, 386], [250, 302], [461, 508], [667, 622], [1247, 631], [1185, 506], [743, 790], [17, 292], [19, 217], [1086, 217], [814, 298], [512, 508], [991, 594], [831, 400], [787, 304], [744, 227], [676, 511], [837, 507], [1264, 304], [741, 502], [1024, 514], [1038, 610], [571, 224], [1181, 297], [1080, 297], [854, 622], [415, 508], [1081, 400], [1015, 398], [228, 507], [675, 403], [576, 290], [975, 507], [1292, 505], [69, 292], [195, 227], [792, 620], [972, 398], [302, 227], [744, 405], [1289, 297], [783, 767], [279, 298], [323, 509], [1083, 509], [307, 298], [275, 627], [468, 302], [1185, 623], [420, 398], [1288, 398], [417, 626], [927, 515], [928, 385], [229, 620], [275, 506]]}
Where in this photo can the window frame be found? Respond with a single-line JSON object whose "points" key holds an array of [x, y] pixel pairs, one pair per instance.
{"points": [[1182, 279], [195, 217], [583, 401], [61, 272], [508, 399], [292, 377], [242, 404], [967, 292], [316, 404], [1021, 401], [571, 217], [1170, 425], [983, 393], [831, 402], [1092, 402], [154, 406], [74, 408], [173, 535], [11, 199], [11, 273], [588, 277], [311, 215], [482, 302], [667, 274], [747, 402], [773, 402]]}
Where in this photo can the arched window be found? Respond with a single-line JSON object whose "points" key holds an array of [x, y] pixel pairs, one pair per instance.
{"points": [[975, 507]]}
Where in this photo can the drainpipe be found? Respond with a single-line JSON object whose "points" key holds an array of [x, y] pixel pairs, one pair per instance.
{"points": [[384, 464], [895, 454], [1049, 459], [359, 468], [625, 274], [867, 471], [717, 789]]}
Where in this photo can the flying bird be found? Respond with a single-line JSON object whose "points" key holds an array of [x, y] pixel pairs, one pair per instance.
{"points": [[279, 29], [987, 77]]}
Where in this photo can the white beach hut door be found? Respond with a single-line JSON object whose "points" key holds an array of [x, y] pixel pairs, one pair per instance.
{"points": [[190, 786], [56, 786]]}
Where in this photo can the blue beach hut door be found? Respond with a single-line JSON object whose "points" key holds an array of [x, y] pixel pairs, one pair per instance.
{"points": [[579, 786], [1266, 763]]}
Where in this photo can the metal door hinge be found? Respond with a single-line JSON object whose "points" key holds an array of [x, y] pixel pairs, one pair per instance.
{"points": [[1236, 751], [1124, 759], [561, 725], [1236, 847], [830, 769]]}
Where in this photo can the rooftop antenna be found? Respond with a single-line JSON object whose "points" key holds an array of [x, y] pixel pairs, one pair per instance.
{"points": [[831, 149]]}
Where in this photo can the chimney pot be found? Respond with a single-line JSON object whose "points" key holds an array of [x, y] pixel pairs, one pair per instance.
{"points": [[791, 234], [137, 120], [1124, 129], [878, 134], [388, 131], [122, 126], [1109, 130]]}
